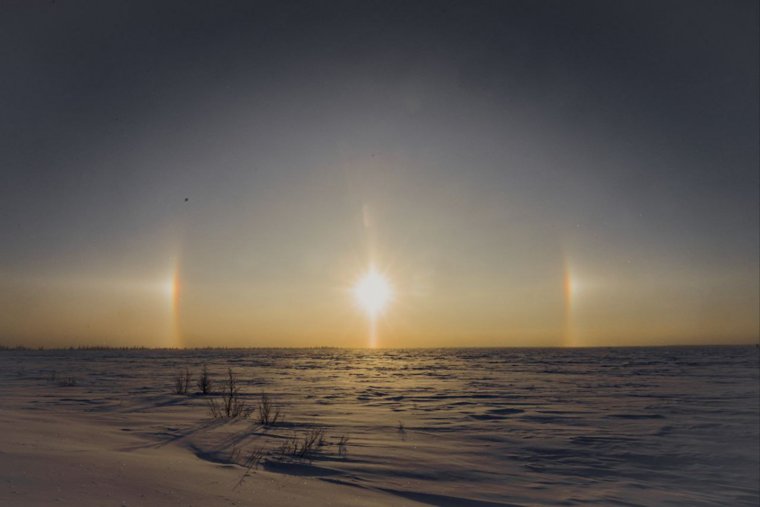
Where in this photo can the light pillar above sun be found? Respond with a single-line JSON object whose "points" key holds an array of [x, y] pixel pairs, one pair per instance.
{"points": [[373, 293]]}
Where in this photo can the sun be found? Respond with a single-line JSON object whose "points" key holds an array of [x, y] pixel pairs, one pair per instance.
{"points": [[373, 293]]}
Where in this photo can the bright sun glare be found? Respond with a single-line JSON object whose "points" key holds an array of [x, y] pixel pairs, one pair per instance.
{"points": [[373, 292]]}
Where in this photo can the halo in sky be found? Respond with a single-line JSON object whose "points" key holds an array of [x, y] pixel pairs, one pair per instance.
{"points": [[373, 293]]}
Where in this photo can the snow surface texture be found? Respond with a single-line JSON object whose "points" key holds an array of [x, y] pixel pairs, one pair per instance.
{"points": [[473, 427]]}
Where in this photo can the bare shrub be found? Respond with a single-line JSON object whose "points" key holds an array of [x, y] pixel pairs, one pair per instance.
{"points": [[230, 406], [311, 442], [342, 445], [305, 447], [68, 382], [204, 381], [182, 381], [215, 409], [269, 414], [288, 446]]}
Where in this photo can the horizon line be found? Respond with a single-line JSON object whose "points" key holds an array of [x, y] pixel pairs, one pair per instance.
{"points": [[11, 348]]}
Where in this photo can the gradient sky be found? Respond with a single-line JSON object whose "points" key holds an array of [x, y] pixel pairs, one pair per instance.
{"points": [[525, 173]]}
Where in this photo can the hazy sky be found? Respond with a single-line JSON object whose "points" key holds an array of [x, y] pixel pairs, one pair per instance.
{"points": [[524, 173]]}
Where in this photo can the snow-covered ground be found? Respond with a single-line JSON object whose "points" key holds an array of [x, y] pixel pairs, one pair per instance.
{"points": [[477, 427]]}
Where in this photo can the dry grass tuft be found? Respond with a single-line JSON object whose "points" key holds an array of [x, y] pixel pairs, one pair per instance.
{"points": [[182, 381], [269, 414], [205, 383], [230, 406], [68, 382], [305, 447], [342, 445]]}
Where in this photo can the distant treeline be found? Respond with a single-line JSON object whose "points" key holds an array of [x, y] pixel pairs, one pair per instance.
{"points": [[108, 347], [81, 347]]}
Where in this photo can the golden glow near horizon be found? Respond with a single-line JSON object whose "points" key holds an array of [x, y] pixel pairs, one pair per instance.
{"points": [[245, 212], [172, 287]]}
